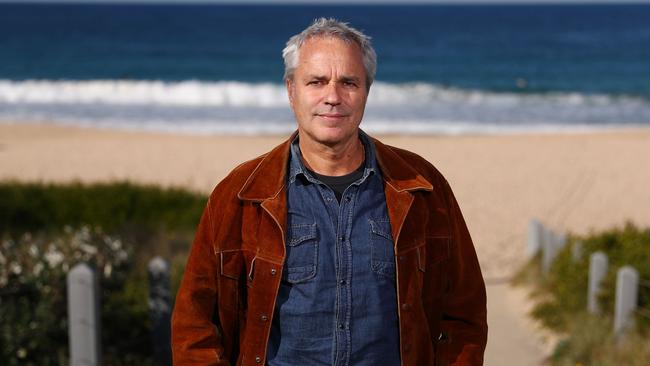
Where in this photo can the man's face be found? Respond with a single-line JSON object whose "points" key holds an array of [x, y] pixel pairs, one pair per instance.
{"points": [[328, 90]]}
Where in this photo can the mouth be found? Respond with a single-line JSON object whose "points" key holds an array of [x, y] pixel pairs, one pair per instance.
{"points": [[331, 116]]}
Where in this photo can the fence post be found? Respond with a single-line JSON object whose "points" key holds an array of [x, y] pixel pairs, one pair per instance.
{"points": [[548, 249], [552, 244], [534, 237], [597, 270], [160, 310], [627, 286], [83, 316]]}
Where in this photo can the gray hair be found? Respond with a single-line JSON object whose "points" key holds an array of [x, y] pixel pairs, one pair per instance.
{"points": [[330, 27]]}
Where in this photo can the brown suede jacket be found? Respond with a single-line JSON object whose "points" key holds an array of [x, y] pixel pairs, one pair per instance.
{"points": [[224, 307]]}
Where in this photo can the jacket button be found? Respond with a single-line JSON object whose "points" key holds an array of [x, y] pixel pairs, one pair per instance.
{"points": [[273, 271], [405, 306], [264, 318], [402, 257], [258, 359], [407, 347]]}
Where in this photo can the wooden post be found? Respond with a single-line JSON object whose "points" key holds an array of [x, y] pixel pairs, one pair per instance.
{"points": [[534, 238], [160, 310], [597, 271], [552, 244], [627, 287], [83, 317], [548, 250]]}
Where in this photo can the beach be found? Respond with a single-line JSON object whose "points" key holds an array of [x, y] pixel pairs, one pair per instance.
{"points": [[574, 183]]}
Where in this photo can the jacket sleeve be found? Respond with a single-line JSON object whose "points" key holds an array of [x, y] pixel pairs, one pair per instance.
{"points": [[464, 317], [196, 339]]}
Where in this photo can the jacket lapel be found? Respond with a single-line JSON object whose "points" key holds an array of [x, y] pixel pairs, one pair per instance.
{"points": [[400, 181], [266, 185]]}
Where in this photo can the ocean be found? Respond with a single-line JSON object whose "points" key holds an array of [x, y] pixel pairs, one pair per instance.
{"points": [[448, 69]]}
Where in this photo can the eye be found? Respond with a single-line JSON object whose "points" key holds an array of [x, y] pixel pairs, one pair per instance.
{"points": [[314, 82], [349, 83]]}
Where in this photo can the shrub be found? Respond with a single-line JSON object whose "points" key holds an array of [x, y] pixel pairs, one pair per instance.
{"points": [[561, 297], [33, 302], [113, 206], [36, 253]]}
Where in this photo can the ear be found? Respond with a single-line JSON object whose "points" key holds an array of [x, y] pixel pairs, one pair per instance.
{"points": [[290, 90]]}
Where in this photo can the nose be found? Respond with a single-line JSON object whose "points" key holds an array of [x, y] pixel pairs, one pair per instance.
{"points": [[332, 96]]}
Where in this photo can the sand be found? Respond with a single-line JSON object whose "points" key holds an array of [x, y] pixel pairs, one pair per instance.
{"points": [[574, 183], [571, 182]]}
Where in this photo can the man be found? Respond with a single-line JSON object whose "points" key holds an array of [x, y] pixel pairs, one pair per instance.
{"points": [[333, 248]]}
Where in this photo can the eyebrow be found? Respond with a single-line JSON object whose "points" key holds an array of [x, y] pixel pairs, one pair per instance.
{"points": [[350, 78], [342, 78]]}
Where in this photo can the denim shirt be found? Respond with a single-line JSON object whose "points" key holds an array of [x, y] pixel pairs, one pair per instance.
{"points": [[337, 302]]}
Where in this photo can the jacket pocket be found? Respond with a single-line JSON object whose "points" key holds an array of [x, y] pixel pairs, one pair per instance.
{"points": [[230, 264], [382, 255], [302, 253], [433, 258], [231, 270]]}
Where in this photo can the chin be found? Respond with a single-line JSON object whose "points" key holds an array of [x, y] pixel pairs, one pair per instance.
{"points": [[331, 136]]}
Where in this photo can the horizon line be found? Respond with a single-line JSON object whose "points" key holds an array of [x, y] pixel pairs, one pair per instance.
{"points": [[333, 2]]}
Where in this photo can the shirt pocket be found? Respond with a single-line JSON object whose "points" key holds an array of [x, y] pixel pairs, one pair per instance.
{"points": [[302, 253], [382, 256]]}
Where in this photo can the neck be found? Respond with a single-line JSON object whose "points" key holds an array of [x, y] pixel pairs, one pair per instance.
{"points": [[333, 161]]}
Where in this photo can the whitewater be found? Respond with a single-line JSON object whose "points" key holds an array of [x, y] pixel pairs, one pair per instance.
{"points": [[198, 107]]}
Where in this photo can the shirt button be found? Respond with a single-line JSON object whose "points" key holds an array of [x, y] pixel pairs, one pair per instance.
{"points": [[342, 282], [273, 271], [342, 238], [348, 199], [264, 318], [258, 359], [341, 326]]}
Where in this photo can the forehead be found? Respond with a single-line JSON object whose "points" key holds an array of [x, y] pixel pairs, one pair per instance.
{"points": [[325, 52]]}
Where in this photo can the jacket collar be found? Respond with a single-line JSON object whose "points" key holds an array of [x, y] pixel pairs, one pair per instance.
{"points": [[397, 172], [269, 177]]}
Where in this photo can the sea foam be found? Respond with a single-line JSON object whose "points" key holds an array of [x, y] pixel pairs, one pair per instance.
{"points": [[236, 107]]}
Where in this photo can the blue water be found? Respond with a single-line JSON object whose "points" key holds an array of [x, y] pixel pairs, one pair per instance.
{"points": [[442, 68]]}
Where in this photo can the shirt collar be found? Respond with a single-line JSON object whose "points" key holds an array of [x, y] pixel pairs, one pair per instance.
{"points": [[296, 166]]}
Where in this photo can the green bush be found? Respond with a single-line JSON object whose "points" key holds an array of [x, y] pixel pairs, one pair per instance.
{"points": [[33, 299], [561, 297], [36, 252], [29, 207]]}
